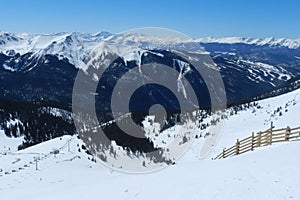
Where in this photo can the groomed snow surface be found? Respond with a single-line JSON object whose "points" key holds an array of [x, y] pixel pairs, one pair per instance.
{"points": [[271, 172]]}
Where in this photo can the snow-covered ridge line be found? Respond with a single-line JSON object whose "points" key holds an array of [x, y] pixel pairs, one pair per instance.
{"points": [[270, 41], [25, 42], [77, 46]]}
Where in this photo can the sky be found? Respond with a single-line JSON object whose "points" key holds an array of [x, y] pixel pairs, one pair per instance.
{"points": [[195, 18]]}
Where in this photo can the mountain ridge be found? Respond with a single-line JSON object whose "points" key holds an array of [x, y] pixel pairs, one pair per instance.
{"points": [[25, 42]]}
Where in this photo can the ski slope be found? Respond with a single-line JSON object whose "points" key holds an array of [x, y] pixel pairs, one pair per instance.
{"points": [[271, 172]]}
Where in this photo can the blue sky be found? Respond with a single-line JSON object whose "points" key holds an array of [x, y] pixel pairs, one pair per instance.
{"points": [[199, 18]]}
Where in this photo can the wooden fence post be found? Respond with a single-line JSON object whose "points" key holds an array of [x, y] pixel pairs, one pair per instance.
{"points": [[287, 133], [271, 134], [272, 126], [237, 152], [259, 139]]}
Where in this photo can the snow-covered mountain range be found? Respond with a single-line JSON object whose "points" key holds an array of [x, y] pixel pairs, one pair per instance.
{"points": [[39, 70], [270, 41], [268, 62], [76, 46], [73, 46]]}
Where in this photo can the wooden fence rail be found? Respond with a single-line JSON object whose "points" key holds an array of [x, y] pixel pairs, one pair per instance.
{"points": [[260, 139]]}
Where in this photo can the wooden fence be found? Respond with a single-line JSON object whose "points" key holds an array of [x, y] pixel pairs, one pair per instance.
{"points": [[260, 139]]}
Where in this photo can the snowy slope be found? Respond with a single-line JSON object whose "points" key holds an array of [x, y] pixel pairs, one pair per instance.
{"points": [[254, 120], [260, 175], [271, 172], [9, 144]]}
